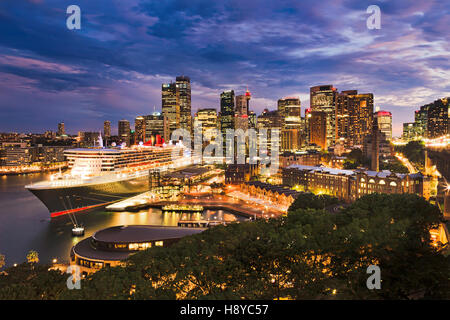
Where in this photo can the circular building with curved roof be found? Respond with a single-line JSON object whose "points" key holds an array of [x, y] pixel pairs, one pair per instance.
{"points": [[109, 247]]}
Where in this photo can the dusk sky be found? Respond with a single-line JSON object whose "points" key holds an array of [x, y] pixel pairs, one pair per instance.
{"points": [[114, 66]]}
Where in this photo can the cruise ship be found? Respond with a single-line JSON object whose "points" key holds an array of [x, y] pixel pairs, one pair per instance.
{"points": [[99, 176]]}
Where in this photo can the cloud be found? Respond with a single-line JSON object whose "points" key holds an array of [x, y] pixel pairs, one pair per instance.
{"points": [[114, 66]]}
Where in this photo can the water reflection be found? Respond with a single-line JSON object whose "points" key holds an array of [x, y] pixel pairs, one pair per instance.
{"points": [[25, 223]]}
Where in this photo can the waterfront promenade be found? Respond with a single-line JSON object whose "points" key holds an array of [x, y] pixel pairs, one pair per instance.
{"points": [[214, 202]]}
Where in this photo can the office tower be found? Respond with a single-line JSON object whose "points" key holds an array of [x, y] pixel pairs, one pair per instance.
{"points": [[306, 125], [438, 113], [107, 129], [241, 111], [269, 120], [124, 131], [207, 118], [139, 129], [183, 87], [252, 119], [170, 109], [61, 129], [354, 117], [323, 98], [318, 124], [421, 121], [154, 128], [384, 122], [226, 116], [375, 157], [176, 105], [409, 131], [290, 112]]}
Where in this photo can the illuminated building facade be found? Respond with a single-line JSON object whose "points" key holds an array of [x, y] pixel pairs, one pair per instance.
{"points": [[110, 247], [241, 120], [240, 173], [170, 109], [207, 118], [125, 131], [350, 185], [107, 129], [269, 121], [275, 194], [410, 131], [183, 88], [61, 129], [154, 127], [308, 158], [323, 99], [226, 115], [139, 129], [384, 122], [438, 114], [318, 128], [354, 117], [291, 131]]}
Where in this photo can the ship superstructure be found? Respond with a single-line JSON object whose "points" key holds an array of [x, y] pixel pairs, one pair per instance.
{"points": [[98, 176]]}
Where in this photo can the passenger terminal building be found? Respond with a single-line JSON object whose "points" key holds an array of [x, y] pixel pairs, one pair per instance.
{"points": [[350, 185], [111, 246]]}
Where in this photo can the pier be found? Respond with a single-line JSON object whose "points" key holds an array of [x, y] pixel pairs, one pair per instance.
{"points": [[243, 208]]}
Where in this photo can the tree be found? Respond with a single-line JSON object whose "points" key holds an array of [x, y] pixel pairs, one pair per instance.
{"points": [[309, 254], [32, 256], [414, 151], [32, 282], [308, 200]]}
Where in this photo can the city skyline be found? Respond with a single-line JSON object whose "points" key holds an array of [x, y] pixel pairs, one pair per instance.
{"points": [[113, 67]]}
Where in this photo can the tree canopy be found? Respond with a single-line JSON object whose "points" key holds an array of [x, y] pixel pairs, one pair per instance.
{"points": [[309, 254]]}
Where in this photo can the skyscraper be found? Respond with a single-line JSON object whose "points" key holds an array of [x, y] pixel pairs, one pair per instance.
{"points": [[438, 122], [183, 85], [170, 109], [107, 129], [269, 120], [154, 127], [318, 128], [241, 111], [251, 119], [61, 129], [176, 105], [226, 115], [354, 117], [323, 98], [208, 120], [124, 131], [375, 157], [384, 122], [421, 120], [290, 113], [139, 129]]}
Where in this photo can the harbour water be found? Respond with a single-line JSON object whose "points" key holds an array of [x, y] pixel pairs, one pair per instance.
{"points": [[25, 222]]}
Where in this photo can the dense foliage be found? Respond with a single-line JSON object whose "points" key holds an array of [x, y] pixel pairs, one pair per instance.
{"points": [[355, 159], [309, 254], [32, 281], [393, 165], [414, 151], [308, 200]]}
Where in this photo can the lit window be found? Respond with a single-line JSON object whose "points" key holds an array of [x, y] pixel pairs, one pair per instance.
{"points": [[159, 243], [371, 181], [382, 182], [393, 184], [133, 246]]}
